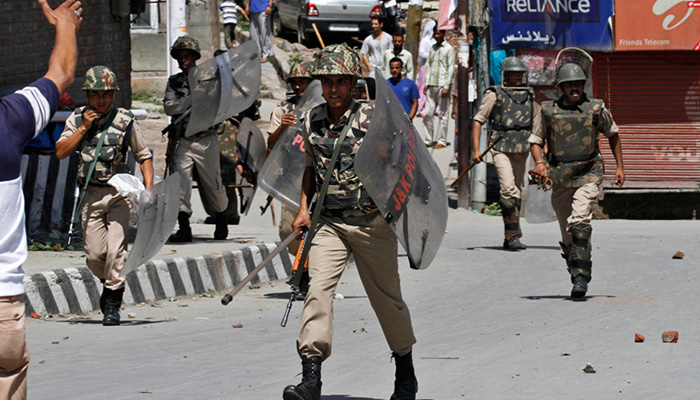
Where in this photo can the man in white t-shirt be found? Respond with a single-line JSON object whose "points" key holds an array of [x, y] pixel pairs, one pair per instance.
{"points": [[374, 47], [23, 115]]}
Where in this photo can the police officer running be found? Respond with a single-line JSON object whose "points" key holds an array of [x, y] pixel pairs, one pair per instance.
{"points": [[200, 150], [570, 127], [510, 108], [348, 223], [101, 133]]}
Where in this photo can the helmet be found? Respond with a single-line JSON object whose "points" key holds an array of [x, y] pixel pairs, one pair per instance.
{"points": [[100, 78], [337, 59], [186, 43], [513, 64], [302, 69], [570, 73]]}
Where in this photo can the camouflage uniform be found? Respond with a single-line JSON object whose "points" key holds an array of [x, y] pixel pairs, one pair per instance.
{"points": [[576, 169], [349, 224], [510, 112], [200, 150], [105, 213]]}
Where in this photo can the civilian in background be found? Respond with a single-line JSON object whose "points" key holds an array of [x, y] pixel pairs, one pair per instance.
{"points": [[228, 10], [404, 88]]}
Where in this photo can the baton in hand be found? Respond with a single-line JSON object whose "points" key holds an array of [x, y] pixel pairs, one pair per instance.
{"points": [[229, 296], [474, 163]]}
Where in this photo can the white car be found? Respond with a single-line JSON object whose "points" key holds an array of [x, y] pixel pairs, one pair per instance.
{"points": [[332, 18]]}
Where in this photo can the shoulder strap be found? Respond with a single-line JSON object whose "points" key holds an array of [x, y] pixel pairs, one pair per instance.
{"points": [[324, 188]]}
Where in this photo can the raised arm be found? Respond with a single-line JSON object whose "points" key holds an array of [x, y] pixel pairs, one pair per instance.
{"points": [[66, 19]]}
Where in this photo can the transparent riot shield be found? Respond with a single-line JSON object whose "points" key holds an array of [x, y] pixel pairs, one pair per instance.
{"points": [[224, 86], [402, 178], [538, 205], [158, 208], [282, 173], [252, 151]]}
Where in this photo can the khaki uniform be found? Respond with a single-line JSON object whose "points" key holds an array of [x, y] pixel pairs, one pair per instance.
{"points": [[227, 133], [348, 225], [288, 214], [105, 214], [14, 352], [200, 150], [511, 152], [576, 169]]}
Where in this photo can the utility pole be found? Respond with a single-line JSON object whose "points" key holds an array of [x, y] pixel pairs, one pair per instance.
{"points": [[413, 25], [464, 148], [176, 27]]}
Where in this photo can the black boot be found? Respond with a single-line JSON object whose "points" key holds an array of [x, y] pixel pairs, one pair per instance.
{"points": [[221, 230], [511, 222], [310, 386], [103, 297], [184, 233], [513, 244], [113, 302], [580, 286], [405, 384]]}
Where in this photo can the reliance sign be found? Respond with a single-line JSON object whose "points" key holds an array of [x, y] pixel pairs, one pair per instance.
{"points": [[551, 10], [552, 24]]}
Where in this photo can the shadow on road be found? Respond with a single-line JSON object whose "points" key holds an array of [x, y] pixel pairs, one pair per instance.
{"points": [[500, 248], [349, 397], [130, 322], [285, 296], [568, 298]]}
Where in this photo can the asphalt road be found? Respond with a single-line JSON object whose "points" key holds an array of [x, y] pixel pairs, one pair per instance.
{"points": [[490, 325]]}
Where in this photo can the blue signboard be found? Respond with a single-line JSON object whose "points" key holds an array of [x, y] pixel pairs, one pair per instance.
{"points": [[552, 24]]}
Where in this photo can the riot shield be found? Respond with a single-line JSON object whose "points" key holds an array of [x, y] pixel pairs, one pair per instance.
{"points": [[282, 173], [158, 208], [402, 178], [251, 153], [224, 86], [538, 205]]}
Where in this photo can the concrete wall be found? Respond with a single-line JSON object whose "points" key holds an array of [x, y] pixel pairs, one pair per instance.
{"points": [[150, 50], [26, 41]]}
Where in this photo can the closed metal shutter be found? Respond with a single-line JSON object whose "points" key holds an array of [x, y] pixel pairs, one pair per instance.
{"points": [[655, 99]]}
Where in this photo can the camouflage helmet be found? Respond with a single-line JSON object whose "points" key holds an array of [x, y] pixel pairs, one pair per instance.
{"points": [[186, 43], [513, 64], [570, 73], [302, 69], [100, 78], [337, 59]]}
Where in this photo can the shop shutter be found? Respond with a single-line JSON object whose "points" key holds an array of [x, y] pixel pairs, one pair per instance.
{"points": [[655, 99]]}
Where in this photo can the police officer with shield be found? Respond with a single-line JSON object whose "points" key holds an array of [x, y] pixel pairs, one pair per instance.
{"points": [[200, 150], [101, 133], [348, 222], [282, 118], [570, 127], [510, 108]]}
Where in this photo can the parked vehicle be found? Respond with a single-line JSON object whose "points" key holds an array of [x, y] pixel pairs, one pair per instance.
{"points": [[332, 18], [391, 15]]}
